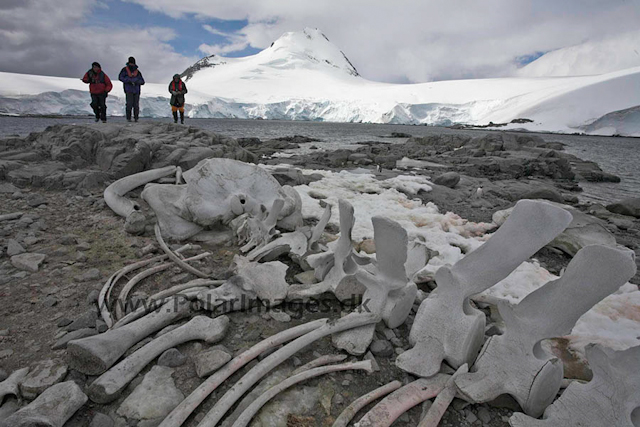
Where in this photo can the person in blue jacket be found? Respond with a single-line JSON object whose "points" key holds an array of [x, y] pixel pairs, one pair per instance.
{"points": [[132, 79]]}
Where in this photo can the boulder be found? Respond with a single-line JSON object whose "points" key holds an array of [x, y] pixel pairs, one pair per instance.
{"points": [[629, 207], [207, 362], [28, 262], [543, 193], [448, 179], [154, 398]]}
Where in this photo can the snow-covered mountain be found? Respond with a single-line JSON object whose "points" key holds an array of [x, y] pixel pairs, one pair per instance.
{"points": [[303, 76], [610, 54]]}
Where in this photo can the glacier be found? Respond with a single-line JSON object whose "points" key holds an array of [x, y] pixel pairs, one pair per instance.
{"points": [[303, 76]]}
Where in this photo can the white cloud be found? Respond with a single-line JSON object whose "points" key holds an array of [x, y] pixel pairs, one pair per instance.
{"points": [[236, 42], [420, 40], [35, 35]]}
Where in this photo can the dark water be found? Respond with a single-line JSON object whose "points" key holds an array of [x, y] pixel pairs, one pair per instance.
{"points": [[620, 156]]}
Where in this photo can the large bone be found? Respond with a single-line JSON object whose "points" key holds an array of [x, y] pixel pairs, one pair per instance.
{"points": [[515, 363], [179, 415], [51, 409], [611, 398], [94, 355], [217, 191], [389, 293], [114, 194], [109, 385], [261, 369], [335, 270], [447, 327], [253, 409], [351, 410], [265, 281], [400, 401], [11, 386], [444, 399]]}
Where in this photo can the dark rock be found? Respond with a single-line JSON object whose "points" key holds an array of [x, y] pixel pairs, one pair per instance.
{"points": [[75, 335], [64, 322], [629, 207], [381, 348], [544, 193], [87, 320], [68, 239], [36, 200], [172, 358], [448, 179], [101, 420]]}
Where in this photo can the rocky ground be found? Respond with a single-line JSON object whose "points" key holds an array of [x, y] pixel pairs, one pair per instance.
{"points": [[64, 242]]}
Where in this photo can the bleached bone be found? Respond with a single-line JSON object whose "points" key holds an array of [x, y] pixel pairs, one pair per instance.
{"points": [[266, 365], [400, 401], [266, 384], [265, 281], [255, 231], [351, 410], [389, 293], [217, 191], [446, 326], [181, 412], [515, 363], [109, 385], [105, 293], [320, 361], [173, 257], [443, 400], [126, 289], [114, 194], [11, 386], [160, 298], [298, 244], [94, 355], [179, 175], [253, 409], [611, 398], [336, 269], [52, 408]]}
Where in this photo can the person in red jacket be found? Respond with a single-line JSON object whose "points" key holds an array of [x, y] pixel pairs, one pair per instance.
{"points": [[99, 87]]}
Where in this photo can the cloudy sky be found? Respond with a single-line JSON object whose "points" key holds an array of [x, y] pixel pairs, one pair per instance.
{"points": [[402, 41]]}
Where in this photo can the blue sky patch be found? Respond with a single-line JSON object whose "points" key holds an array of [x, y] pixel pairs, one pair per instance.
{"points": [[189, 30]]}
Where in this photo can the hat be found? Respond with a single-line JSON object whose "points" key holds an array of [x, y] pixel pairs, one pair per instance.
{"points": [[132, 60], [96, 64], [176, 75]]}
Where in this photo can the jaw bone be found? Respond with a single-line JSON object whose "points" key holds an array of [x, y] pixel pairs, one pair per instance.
{"points": [[114, 194], [389, 293], [611, 398], [109, 385], [515, 363], [447, 327]]}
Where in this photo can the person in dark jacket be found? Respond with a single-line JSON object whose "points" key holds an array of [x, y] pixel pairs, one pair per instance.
{"points": [[99, 87], [132, 79], [178, 89]]}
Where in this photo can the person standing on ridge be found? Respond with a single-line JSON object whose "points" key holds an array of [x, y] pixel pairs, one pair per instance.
{"points": [[99, 87], [178, 89], [132, 79]]}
